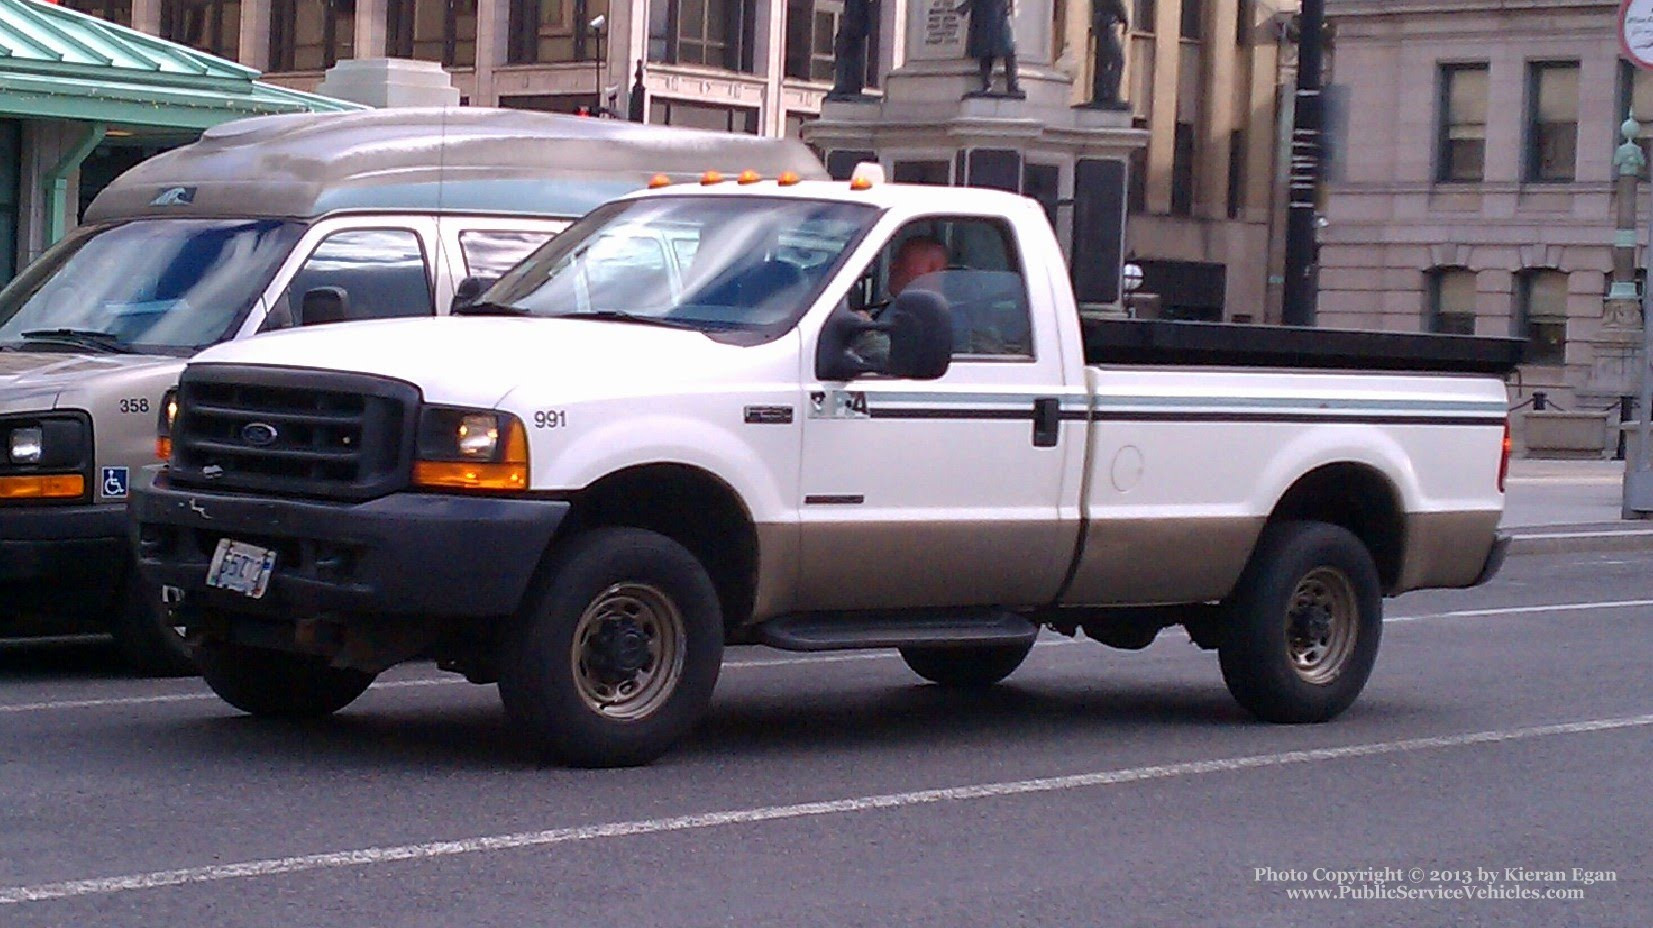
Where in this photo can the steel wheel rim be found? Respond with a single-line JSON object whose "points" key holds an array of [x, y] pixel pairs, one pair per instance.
{"points": [[628, 651], [1322, 623]]}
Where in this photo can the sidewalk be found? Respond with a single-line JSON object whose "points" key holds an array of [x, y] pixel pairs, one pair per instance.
{"points": [[1571, 506]]}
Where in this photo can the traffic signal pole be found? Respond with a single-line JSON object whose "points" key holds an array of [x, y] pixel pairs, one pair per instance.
{"points": [[1300, 289]]}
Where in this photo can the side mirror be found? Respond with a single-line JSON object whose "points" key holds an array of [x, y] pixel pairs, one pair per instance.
{"points": [[921, 335], [466, 293], [918, 329], [323, 305]]}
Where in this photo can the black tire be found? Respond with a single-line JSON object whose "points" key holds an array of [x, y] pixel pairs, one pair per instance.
{"points": [[967, 667], [617, 651], [149, 640], [278, 685], [1304, 624]]}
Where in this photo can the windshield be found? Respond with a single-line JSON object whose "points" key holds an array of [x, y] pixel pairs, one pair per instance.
{"points": [[163, 285], [708, 263]]}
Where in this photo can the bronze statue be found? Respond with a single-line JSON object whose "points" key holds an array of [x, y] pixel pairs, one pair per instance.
{"points": [[991, 37], [1109, 64], [849, 49]]}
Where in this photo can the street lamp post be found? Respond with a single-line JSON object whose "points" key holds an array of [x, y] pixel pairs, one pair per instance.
{"points": [[1304, 187], [597, 25]]}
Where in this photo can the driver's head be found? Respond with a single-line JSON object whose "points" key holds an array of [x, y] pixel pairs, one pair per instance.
{"points": [[916, 257]]}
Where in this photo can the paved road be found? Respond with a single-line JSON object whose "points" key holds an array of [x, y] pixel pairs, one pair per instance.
{"points": [[1507, 727]]}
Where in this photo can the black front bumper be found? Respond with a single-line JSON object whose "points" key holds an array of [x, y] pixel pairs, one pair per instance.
{"points": [[406, 554], [61, 560]]}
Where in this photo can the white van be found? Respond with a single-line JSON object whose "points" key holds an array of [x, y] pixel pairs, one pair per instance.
{"points": [[265, 224]]}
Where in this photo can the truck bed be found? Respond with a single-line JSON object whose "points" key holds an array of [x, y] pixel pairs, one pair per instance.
{"points": [[1217, 344]]}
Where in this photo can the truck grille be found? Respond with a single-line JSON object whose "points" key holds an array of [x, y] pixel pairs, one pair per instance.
{"points": [[293, 432]]}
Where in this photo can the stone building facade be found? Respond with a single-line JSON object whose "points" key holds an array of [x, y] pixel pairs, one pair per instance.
{"points": [[1473, 191]]}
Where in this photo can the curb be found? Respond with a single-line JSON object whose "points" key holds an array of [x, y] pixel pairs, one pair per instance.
{"points": [[1578, 540]]}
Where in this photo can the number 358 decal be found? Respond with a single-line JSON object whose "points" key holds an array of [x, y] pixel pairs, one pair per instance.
{"points": [[550, 419], [136, 404]]}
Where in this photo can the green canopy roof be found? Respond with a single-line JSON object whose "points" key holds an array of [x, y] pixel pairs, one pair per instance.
{"points": [[56, 63]]}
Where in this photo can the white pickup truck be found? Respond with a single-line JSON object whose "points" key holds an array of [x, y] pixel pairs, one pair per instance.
{"points": [[619, 461]]}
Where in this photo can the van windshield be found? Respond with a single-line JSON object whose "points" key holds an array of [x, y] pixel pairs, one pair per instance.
{"points": [[167, 286], [716, 264]]}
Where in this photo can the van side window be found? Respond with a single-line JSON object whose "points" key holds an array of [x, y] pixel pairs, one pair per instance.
{"points": [[973, 264], [381, 271], [489, 253]]}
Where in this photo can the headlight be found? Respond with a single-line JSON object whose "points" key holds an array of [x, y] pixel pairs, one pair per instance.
{"points": [[27, 445], [471, 449], [163, 428]]}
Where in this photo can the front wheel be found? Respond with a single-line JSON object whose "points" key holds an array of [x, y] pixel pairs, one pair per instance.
{"points": [[615, 657], [276, 684], [966, 667], [1305, 621]]}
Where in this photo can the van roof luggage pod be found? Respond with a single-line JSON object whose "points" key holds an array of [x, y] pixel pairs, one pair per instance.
{"points": [[470, 159]]}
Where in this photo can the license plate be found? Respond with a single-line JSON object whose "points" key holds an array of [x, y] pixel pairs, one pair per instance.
{"points": [[241, 568]]}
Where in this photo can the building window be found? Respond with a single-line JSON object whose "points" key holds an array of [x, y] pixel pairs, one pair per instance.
{"points": [[1463, 128], [1635, 98], [212, 26], [311, 35], [713, 33], [663, 112], [811, 27], [1182, 171], [1452, 301], [1541, 315], [1552, 120], [1193, 14], [432, 30], [555, 30], [1236, 173], [115, 11]]}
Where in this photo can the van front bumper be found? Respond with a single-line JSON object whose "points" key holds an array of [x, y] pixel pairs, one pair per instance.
{"points": [[61, 558], [406, 554]]}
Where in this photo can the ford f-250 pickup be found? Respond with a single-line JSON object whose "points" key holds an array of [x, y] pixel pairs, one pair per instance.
{"points": [[621, 460]]}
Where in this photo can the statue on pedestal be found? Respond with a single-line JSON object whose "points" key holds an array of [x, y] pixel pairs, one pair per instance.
{"points": [[849, 49], [991, 38], [1109, 65]]}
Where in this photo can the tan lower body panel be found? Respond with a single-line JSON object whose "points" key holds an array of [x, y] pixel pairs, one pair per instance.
{"points": [[1446, 549], [777, 570], [891, 565], [1148, 561]]}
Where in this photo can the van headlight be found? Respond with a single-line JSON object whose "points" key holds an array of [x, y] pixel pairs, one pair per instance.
{"points": [[26, 445], [470, 449]]}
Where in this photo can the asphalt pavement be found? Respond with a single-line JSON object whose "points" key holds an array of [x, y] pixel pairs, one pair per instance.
{"points": [[1500, 751]]}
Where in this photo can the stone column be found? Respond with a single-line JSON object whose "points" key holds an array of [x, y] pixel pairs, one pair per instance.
{"points": [[146, 16], [255, 36], [372, 28]]}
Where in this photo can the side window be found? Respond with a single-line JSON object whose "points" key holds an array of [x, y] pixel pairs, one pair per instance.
{"points": [[489, 253], [381, 271], [972, 263]]}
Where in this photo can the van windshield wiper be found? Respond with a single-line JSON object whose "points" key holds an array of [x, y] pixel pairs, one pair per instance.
{"points": [[486, 308], [81, 338], [620, 315]]}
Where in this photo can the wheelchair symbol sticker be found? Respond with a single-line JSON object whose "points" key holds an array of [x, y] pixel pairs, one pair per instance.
{"points": [[115, 482]]}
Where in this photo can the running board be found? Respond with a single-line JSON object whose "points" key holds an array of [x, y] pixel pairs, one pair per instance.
{"points": [[838, 631]]}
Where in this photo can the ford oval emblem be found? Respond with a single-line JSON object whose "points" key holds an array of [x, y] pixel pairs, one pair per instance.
{"points": [[259, 434]]}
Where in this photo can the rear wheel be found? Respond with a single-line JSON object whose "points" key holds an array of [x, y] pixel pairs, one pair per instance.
{"points": [[147, 634], [1305, 621], [616, 655], [276, 684], [967, 667]]}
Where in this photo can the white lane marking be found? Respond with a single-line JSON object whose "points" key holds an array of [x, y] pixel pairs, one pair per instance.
{"points": [[791, 661], [1524, 610], [1536, 533], [437, 849]]}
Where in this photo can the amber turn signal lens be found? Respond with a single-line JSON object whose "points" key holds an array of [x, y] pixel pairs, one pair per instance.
{"points": [[54, 486], [658, 181], [509, 474], [163, 448]]}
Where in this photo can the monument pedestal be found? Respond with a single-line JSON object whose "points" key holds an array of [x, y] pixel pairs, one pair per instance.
{"points": [[930, 128]]}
